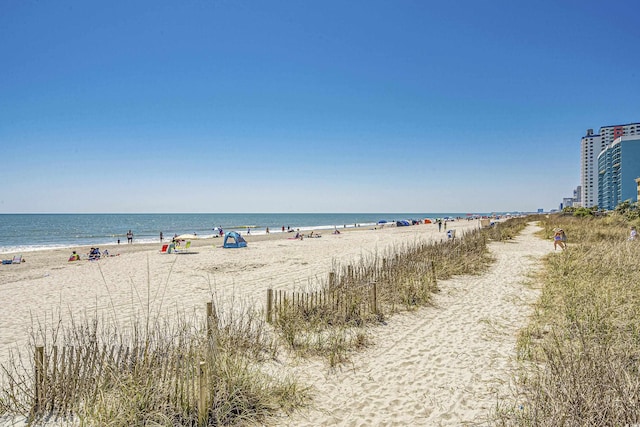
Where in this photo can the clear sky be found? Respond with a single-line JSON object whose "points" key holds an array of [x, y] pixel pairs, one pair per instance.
{"points": [[307, 106]]}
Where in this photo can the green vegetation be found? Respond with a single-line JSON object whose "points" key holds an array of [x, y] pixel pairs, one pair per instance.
{"points": [[580, 353]]}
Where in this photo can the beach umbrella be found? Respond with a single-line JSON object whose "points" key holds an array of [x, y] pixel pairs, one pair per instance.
{"points": [[186, 237]]}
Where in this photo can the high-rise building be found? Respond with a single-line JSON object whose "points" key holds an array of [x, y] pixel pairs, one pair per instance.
{"points": [[577, 196], [618, 168], [591, 146]]}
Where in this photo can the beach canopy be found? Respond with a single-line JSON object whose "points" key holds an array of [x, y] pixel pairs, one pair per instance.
{"points": [[233, 240]]}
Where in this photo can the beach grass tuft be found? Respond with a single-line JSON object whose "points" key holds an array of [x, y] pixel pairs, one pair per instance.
{"points": [[151, 373]]}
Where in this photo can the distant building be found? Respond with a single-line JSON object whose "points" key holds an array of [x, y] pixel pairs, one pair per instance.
{"points": [[591, 146], [567, 202], [577, 195], [618, 168]]}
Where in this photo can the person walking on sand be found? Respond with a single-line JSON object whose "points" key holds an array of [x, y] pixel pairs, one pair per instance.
{"points": [[129, 237], [439, 225]]}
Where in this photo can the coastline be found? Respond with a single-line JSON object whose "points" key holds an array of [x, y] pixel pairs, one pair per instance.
{"points": [[34, 232]]}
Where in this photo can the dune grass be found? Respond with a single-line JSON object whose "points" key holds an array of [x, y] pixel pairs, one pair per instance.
{"points": [[148, 370], [405, 277], [581, 352]]}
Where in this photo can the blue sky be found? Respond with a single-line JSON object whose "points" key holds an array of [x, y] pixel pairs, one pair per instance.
{"points": [[301, 106]]}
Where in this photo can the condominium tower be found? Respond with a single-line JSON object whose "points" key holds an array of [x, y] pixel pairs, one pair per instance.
{"points": [[618, 169], [591, 146]]}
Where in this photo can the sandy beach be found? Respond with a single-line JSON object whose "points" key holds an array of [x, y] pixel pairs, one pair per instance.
{"points": [[441, 365]]}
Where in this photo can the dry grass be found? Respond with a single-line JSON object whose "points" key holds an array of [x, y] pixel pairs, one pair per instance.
{"points": [[405, 278], [581, 352], [147, 372]]}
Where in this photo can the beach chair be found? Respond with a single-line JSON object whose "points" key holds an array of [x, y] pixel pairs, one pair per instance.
{"points": [[183, 249], [16, 259], [164, 249]]}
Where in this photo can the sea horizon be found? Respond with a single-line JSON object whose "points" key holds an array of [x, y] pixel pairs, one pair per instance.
{"points": [[27, 232]]}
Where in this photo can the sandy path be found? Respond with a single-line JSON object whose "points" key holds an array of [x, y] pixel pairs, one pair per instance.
{"points": [[443, 365]]}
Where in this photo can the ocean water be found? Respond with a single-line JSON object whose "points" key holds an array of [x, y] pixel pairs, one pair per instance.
{"points": [[31, 232]]}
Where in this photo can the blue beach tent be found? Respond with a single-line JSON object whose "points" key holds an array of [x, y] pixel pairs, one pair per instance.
{"points": [[233, 240]]}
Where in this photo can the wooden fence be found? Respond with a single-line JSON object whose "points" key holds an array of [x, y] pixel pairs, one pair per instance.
{"points": [[351, 295], [355, 303], [69, 376]]}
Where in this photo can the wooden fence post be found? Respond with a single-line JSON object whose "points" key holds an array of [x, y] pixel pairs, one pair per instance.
{"points": [[433, 273], [40, 378], [202, 400], [209, 319], [269, 305], [375, 298], [332, 280]]}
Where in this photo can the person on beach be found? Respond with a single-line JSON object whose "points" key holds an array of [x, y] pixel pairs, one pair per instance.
{"points": [[74, 257], [558, 239], [94, 254], [129, 237], [161, 237], [439, 225], [633, 235], [267, 230]]}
